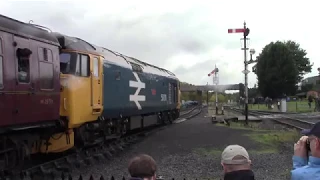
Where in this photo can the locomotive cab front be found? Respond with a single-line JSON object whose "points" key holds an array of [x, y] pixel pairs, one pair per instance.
{"points": [[81, 85]]}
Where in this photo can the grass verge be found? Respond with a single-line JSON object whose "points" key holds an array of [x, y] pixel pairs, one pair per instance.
{"points": [[269, 141]]}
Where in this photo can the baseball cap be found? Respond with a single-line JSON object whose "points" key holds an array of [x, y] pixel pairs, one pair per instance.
{"points": [[315, 130], [231, 151]]}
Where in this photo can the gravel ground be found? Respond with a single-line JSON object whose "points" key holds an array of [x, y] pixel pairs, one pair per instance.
{"points": [[191, 150]]}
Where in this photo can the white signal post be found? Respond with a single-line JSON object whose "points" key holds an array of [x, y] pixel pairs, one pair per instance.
{"points": [[215, 81], [245, 32]]}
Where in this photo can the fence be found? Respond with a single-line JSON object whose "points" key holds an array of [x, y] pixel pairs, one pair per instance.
{"points": [[69, 177], [292, 106]]}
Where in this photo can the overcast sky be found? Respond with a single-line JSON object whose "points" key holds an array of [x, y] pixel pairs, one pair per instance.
{"points": [[186, 37]]}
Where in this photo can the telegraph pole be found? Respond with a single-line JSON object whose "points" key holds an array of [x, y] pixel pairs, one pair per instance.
{"points": [[245, 32]]}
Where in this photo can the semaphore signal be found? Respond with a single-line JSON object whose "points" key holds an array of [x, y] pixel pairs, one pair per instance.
{"points": [[245, 32], [235, 30]]}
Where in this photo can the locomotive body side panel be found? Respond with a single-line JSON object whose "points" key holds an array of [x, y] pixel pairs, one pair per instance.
{"points": [[131, 93]]}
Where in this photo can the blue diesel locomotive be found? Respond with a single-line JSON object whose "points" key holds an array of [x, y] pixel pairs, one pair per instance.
{"points": [[138, 90]]}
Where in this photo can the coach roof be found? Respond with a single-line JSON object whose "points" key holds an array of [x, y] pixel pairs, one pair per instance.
{"points": [[27, 30]]}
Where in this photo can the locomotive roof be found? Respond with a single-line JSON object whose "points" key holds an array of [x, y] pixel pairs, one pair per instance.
{"points": [[78, 44], [27, 30]]}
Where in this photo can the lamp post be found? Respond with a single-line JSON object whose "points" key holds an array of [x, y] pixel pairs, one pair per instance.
{"points": [[246, 72], [252, 52]]}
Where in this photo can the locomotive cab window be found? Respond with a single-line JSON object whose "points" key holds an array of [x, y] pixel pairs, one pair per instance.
{"points": [[65, 63], [95, 67], [75, 64], [84, 65], [23, 56], [1, 65]]}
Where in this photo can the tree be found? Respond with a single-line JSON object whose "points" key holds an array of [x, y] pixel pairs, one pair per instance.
{"points": [[280, 67], [299, 56]]}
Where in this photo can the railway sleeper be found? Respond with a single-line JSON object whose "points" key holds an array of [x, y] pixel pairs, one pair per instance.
{"points": [[99, 157], [64, 167]]}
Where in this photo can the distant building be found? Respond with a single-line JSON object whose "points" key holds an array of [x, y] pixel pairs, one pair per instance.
{"points": [[310, 80], [314, 80]]}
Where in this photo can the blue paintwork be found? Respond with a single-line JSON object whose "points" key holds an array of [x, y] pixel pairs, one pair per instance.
{"points": [[116, 92]]}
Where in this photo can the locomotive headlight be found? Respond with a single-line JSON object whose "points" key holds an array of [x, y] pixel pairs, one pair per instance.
{"points": [[65, 103]]}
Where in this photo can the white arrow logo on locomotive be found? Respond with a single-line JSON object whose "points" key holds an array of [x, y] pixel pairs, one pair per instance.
{"points": [[139, 85]]}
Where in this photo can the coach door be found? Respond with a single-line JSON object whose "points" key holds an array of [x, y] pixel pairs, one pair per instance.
{"points": [[96, 85], [7, 97], [24, 86]]}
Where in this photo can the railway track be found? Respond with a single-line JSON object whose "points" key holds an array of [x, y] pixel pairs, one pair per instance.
{"points": [[280, 118], [187, 109], [190, 114], [86, 157]]}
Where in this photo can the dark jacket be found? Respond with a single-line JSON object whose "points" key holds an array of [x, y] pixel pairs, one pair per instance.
{"points": [[239, 175]]}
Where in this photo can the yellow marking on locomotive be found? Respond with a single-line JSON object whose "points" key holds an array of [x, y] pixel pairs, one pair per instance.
{"points": [[59, 142], [81, 97]]}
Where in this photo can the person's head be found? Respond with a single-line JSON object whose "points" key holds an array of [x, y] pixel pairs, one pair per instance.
{"points": [[235, 158], [143, 166], [314, 139]]}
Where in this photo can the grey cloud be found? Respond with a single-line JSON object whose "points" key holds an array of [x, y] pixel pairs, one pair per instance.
{"points": [[154, 39], [202, 69]]}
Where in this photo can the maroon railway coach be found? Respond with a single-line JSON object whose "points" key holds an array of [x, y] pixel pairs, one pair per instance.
{"points": [[29, 86]]}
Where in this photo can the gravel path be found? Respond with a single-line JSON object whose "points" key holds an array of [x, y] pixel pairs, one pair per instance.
{"points": [[192, 149]]}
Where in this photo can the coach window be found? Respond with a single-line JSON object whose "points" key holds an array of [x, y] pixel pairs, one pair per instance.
{"points": [[45, 54], [1, 65], [23, 56], [95, 67], [46, 68]]}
